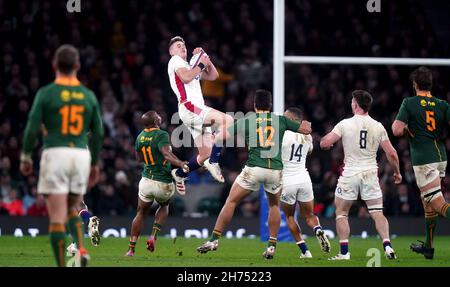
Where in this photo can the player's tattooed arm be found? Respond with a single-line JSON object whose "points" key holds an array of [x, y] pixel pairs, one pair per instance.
{"points": [[329, 140]]}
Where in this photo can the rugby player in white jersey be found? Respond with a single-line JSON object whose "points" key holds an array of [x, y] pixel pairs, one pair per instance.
{"points": [[185, 82], [361, 137], [297, 185]]}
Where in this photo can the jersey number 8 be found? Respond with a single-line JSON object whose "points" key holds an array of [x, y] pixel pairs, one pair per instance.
{"points": [[363, 139]]}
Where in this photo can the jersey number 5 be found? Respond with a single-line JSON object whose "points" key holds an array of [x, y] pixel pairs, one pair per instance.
{"points": [[72, 119], [431, 122], [269, 131]]}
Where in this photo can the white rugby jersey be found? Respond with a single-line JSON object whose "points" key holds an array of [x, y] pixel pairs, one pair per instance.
{"points": [[192, 91], [361, 137], [295, 149]]}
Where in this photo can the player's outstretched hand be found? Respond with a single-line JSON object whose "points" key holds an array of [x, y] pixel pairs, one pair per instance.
{"points": [[197, 50], [305, 128], [204, 59], [94, 176], [397, 178], [26, 168]]}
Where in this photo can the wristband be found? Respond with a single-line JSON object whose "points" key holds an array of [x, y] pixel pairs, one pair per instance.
{"points": [[201, 66]]}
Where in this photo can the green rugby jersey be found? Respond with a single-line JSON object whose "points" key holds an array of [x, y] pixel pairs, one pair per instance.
{"points": [[68, 114], [263, 133], [148, 145], [426, 117]]}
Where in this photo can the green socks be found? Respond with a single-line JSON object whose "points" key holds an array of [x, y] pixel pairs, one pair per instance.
{"points": [[58, 242], [75, 226], [216, 234], [156, 228], [430, 224]]}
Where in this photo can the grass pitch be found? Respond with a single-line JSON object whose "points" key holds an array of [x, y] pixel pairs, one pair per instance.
{"points": [[36, 252]]}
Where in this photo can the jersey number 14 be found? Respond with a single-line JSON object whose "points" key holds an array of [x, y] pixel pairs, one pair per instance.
{"points": [[297, 154]]}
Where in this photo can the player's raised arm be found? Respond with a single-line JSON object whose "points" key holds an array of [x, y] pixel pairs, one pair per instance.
{"points": [[392, 157], [332, 137], [305, 127], [32, 130], [210, 73], [186, 75], [329, 140]]}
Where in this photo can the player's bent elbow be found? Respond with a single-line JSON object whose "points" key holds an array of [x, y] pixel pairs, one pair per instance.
{"points": [[397, 130]]}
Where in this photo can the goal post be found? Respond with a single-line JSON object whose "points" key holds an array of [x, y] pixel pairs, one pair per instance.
{"points": [[280, 59], [279, 62]]}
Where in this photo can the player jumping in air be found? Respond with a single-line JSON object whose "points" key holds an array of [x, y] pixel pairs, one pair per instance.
{"points": [[263, 132], [422, 119], [68, 111], [361, 137], [297, 185], [185, 82], [153, 148]]}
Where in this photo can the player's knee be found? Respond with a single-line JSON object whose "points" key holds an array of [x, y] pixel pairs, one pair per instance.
{"points": [[431, 194], [375, 209]]}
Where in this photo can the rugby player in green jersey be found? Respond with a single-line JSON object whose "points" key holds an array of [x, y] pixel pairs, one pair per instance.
{"points": [[422, 119], [73, 136], [263, 132], [153, 148]]}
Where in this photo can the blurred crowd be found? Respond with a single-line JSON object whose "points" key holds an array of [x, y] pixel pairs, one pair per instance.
{"points": [[124, 56]]}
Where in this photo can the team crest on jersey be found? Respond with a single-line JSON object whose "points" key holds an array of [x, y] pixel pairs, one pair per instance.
{"points": [[65, 96], [423, 103]]}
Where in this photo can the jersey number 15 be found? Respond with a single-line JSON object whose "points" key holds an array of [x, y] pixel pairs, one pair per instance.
{"points": [[72, 119]]}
